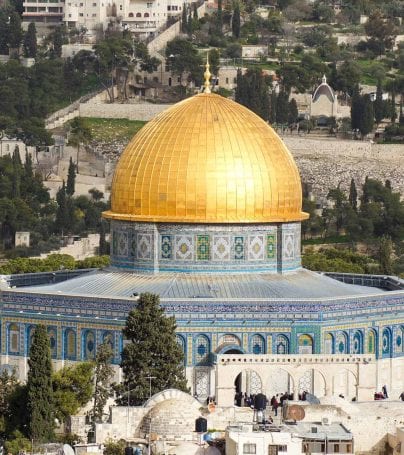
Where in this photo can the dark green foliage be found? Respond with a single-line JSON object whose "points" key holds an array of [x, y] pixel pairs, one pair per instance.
{"points": [[381, 32], [15, 34], [333, 260], [184, 19], [367, 119], [219, 19], [71, 178], [63, 220], [57, 41], [252, 91], [8, 387], [73, 388], [385, 255], [378, 104], [183, 58], [102, 374], [80, 134], [292, 112], [30, 43], [40, 405], [235, 21], [282, 108], [152, 350], [353, 195]]}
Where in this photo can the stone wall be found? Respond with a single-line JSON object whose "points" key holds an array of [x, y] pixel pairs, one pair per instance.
{"points": [[140, 111], [325, 163]]}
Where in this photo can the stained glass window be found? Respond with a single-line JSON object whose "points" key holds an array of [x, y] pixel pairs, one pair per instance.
{"points": [[70, 344], [89, 345], [371, 342], [282, 344], [201, 349], [342, 343], [53, 341], [305, 343], [386, 342], [258, 344], [14, 338], [329, 344], [357, 347]]}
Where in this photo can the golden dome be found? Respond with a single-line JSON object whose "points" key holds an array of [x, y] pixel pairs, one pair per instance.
{"points": [[206, 159]]}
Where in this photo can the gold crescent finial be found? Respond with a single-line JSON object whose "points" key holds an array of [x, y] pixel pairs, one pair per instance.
{"points": [[207, 75]]}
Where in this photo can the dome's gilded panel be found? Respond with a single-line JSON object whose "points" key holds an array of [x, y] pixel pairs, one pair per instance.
{"points": [[206, 159]]}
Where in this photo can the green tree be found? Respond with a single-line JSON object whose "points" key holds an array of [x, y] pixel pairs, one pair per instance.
{"points": [[292, 112], [15, 34], [80, 134], [152, 350], [71, 178], [8, 384], [57, 41], [367, 118], [30, 43], [235, 20], [381, 32], [385, 255], [102, 378], [252, 91], [219, 17], [378, 104], [73, 388], [282, 108], [184, 19], [353, 195], [40, 408], [103, 247], [184, 58], [62, 221], [17, 173]]}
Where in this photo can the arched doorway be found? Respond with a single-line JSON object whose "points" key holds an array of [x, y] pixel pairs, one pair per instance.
{"points": [[247, 383], [305, 344], [279, 381], [229, 344], [344, 383]]}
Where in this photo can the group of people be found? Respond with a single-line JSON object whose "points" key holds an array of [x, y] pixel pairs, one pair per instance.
{"points": [[382, 395], [245, 400]]}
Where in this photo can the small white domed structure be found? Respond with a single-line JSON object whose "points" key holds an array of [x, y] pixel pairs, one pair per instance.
{"points": [[324, 103]]}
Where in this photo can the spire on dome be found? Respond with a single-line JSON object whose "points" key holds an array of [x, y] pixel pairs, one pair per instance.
{"points": [[324, 80], [207, 75]]}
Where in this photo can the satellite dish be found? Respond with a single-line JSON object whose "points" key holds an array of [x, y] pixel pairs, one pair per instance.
{"points": [[68, 450], [295, 412]]}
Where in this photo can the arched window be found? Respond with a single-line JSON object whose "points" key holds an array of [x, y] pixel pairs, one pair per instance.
{"points": [[181, 343], [130, 14], [371, 344], [329, 344], [357, 347], [257, 344], [70, 345], [399, 339], [305, 343], [29, 335], [202, 349], [387, 342], [146, 15], [88, 351], [108, 338], [282, 344], [52, 334], [13, 339], [342, 343], [138, 15]]}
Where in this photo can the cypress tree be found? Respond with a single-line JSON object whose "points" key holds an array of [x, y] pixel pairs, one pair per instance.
{"points": [[152, 350], [189, 25], [57, 42], [17, 168], [356, 108], [195, 17], [272, 107], [15, 35], [293, 112], [235, 22], [282, 108], [28, 170], [219, 16], [62, 212], [367, 118], [30, 43], [353, 195], [385, 255], [39, 388], [393, 107], [378, 104], [71, 178], [184, 19]]}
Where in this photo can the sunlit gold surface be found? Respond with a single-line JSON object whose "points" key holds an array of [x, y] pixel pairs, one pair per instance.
{"points": [[206, 160]]}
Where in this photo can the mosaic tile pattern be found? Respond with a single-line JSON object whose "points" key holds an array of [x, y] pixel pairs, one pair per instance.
{"points": [[144, 246], [271, 246], [203, 248], [256, 248], [166, 247], [184, 247], [221, 248], [238, 248]]}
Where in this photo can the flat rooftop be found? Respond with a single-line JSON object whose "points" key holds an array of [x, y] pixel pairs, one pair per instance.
{"points": [[302, 284]]}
